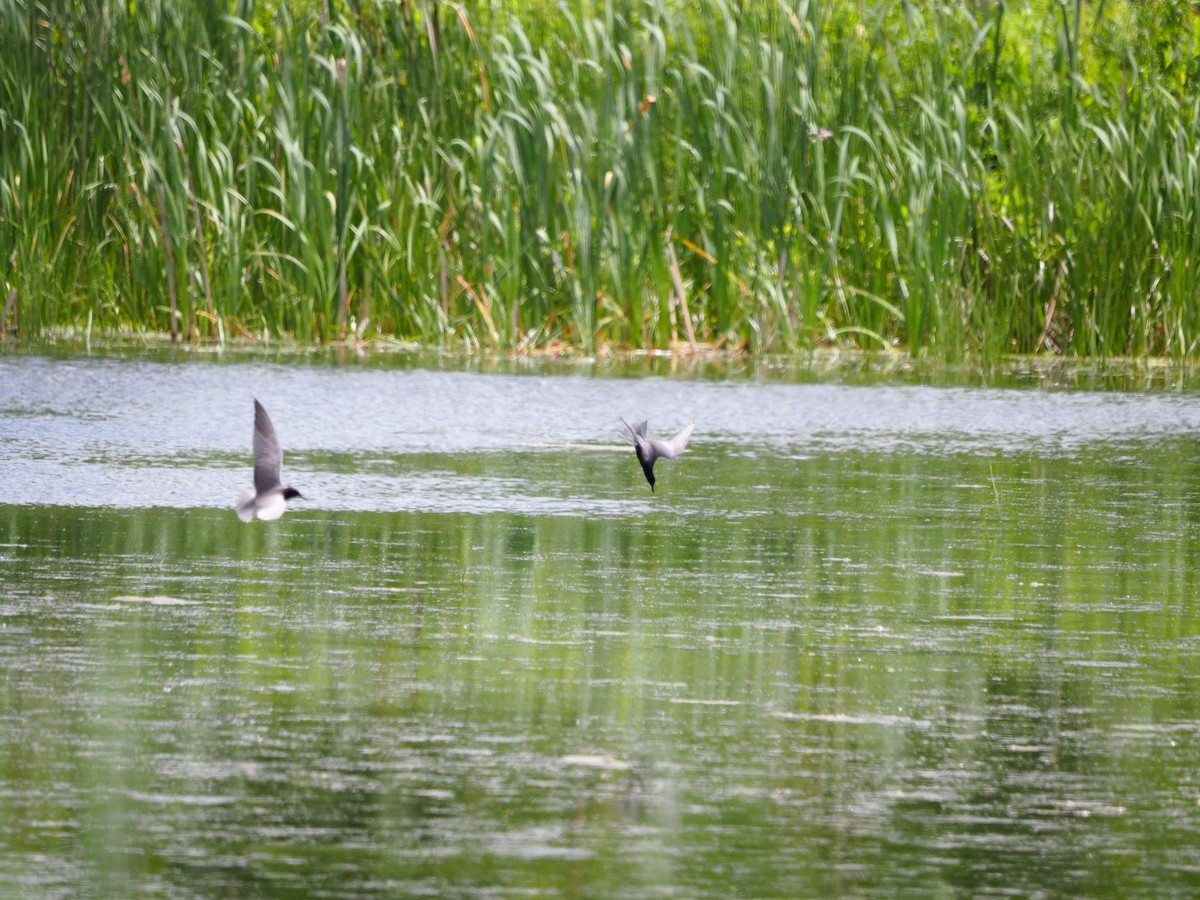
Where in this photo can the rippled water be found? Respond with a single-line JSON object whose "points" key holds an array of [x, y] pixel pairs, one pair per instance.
{"points": [[882, 640]]}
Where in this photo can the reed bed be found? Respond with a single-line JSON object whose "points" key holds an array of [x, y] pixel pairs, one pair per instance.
{"points": [[948, 178]]}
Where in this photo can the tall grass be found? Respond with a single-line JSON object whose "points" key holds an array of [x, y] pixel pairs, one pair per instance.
{"points": [[952, 177]]}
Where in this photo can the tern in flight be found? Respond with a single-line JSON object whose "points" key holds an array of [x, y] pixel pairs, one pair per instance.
{"points": [[651, 449], [267, 500]]}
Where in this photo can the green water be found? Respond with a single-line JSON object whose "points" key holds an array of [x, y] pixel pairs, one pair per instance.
{"points": [[914, 676], [960, 663]]}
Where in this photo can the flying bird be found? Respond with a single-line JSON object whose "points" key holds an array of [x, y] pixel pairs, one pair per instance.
{"points": [[267, 500], [650, 449]]}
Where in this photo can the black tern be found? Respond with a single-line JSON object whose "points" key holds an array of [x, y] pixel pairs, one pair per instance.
{"points": [[650, 449], [267, 500]]}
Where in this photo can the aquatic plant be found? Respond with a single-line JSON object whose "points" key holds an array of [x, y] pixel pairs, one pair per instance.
{"points": [[950, 178]]}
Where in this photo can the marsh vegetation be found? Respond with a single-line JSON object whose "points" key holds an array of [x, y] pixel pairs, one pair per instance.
{"points": [[951, 178]]}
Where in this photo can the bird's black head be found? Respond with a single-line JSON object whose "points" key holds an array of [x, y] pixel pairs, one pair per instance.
{"points": [[648, 471], [290, 493]]}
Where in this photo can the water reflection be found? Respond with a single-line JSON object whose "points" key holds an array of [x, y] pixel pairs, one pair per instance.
{"points": [[930, 666]]}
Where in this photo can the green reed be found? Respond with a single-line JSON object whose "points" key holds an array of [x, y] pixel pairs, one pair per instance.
{"points": [[952, 178]]}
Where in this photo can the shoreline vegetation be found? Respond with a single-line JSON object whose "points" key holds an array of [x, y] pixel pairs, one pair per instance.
{"points": [[815, 364], [950, 180]]}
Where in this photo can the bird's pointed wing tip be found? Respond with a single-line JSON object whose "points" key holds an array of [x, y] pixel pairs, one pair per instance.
{"points": [[630, 433]]}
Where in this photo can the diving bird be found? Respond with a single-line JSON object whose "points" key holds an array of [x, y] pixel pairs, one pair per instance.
{"points": [[650, 449], [267, 500]]}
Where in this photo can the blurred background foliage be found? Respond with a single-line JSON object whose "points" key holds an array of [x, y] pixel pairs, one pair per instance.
{"points": [[953, 178]]}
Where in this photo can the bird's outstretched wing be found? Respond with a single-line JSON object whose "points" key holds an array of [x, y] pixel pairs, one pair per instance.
{"points": [[672, 448], [631, 433], [268, 456]]}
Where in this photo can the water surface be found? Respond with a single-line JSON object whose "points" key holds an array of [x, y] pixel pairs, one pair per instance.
{"points": [[862, 641]]}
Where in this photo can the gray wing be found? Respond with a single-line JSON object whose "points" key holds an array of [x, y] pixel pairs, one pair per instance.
{"points": [[268, 455], [672, 448], [631, 433]]}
